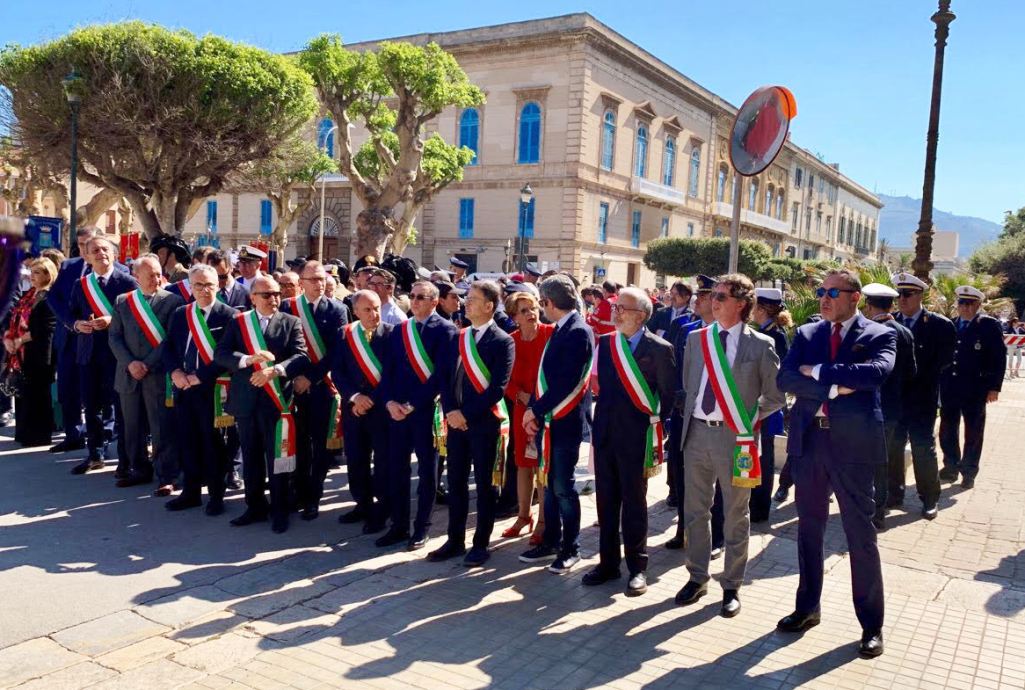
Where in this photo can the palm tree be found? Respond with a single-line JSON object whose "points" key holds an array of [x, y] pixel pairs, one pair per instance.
{"points": [[942, 297], [883, 249]]}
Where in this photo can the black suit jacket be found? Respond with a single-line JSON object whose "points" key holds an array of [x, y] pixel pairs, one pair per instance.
{"points": [[96, 343], [616, 419], [37, 354], [400, 382], [934, 351], [346, 372], [236, 296], [284, 338], [330, 316], [496, 349], [178, 338], [904, 368], [980, 358], [569, 350]]}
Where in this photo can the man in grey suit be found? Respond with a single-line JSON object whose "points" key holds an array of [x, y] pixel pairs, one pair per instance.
{"points": [[730, 378], [140, 323]]}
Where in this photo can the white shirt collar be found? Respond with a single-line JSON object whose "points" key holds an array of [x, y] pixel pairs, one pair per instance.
{"points": [[734, 330], [562, 322], [846, 325], [107, 275], [481, 330]]}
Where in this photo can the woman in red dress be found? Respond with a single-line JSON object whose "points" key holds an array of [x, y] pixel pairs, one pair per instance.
{"points": [[530, 338]]}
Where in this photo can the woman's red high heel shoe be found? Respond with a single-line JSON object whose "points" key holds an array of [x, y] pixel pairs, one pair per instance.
{"points": [[537, 538], [517, 528]]}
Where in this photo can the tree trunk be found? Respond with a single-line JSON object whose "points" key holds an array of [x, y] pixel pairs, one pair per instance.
{"points": [[94, 209], [374, 227]]}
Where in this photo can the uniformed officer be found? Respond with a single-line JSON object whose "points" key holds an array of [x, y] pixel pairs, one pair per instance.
{"points": [[459, 269], [968, 385], [934, 350], [250, 259]]}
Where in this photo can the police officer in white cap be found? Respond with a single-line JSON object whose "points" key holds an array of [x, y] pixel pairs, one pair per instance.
{"points": [[248, 262], [878, 305], [972, 381], [934, 350]]}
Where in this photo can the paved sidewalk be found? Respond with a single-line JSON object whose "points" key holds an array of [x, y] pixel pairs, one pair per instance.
{"points": [[103, 588]]}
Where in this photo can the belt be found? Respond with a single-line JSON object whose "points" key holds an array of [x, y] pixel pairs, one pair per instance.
{"points": [[822, 422], [709, 422]]}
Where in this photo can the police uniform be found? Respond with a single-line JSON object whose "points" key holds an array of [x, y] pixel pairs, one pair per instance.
{"points": [[460, 264], [250, 253], [761, 496]]}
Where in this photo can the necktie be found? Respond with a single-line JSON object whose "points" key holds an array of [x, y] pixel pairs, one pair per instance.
{"points": [[961, 325], [834, 341], [419, 327], [473, 332], [264, 320], [708, 397], [103, 283]]}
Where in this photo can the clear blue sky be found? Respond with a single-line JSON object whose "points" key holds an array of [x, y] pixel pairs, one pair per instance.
{"points": [[861, 69]]}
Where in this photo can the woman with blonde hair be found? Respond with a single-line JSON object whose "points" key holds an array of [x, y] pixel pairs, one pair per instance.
{"points": [[530, 339]]}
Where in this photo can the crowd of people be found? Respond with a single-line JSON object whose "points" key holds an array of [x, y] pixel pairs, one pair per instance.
{"points": [[190, 362]]}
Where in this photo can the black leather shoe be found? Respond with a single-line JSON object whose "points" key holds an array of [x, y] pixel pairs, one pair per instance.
{"points": [[280, 524], [448, 550], [391, 538], [599, 576], [133, 479], [373, 526], [183, 503], [879, 522], [476, 557], [730, 603], [967, 483], [948, 474], [672, 501], [676, 542], [87, 465], [757, 518], [417, 541], [929, 512], [441, 498], [798, 622], [214, 508], [355, 515], [67, 446], [248, 518], [691, 592], [310, 513], [871, 645], [781, 495], [637, 585], [895, 502]]}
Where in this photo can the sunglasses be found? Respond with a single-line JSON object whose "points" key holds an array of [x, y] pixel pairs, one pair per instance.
{"points": [[833, 293], [223, 278], [908, 293], [420, 298], [268, 295], [964, 301], [720, 296]]}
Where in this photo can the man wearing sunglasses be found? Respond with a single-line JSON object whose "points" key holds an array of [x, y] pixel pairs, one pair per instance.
{"points": [[835, 368], [229, 290], [934, 351], [971, 382]]}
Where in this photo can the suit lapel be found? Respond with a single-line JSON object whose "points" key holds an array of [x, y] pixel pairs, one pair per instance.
{"points": [[743, 343], [850, 337]]}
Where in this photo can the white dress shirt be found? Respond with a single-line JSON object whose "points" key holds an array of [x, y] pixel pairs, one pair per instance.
{"points": [[390, 313], [731, 354], [834, 390]]}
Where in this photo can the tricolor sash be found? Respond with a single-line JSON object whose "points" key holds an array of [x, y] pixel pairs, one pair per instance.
{"points": [[222, 386], [184, 288], [314, 342], [561, 409], [284, 432], [421, 362], [643, 398], [357, 338], [151, 329], [440, 430], [480, 378], [97, 300], [200, 332], [747, 470]]}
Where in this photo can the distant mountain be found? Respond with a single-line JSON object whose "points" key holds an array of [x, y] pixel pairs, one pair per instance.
{"points": [[898, 222]]}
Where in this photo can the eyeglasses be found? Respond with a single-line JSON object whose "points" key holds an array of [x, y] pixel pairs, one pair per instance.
{"points": [[420, 298], [316, 279], [380, 283], [268, 295], [203, 286], [908, 293], [720, 296], [620, 308], [832, 292], [222, 278], [965, 301]]}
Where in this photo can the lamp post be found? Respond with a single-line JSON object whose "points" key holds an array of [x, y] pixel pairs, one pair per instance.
{"points": [[323, 183], [526, 196], [923, 236], [71, 84]]}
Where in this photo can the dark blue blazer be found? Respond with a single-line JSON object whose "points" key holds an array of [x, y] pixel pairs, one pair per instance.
{"points": [[774, 425], [497, 349], [400, 382], [935, 338], [569, 350], [178, 336], [330, 316], [866, 357], [346, 372], [175, 287], [59, 298], [237, 297], [679, 343], [980, 358], [904, 370], [118, 284]]}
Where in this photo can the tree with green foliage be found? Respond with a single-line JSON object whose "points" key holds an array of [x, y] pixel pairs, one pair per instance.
{"points": [[1014, 224], [393, 91], [165, 117], [679, 256], [1004, 258]]}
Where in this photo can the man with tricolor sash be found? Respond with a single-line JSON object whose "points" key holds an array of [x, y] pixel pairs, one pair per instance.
{"points": [[92, 309], [317, 402], [420, 353], [557, 417], [264, 350], [729, 375], [478, 423], [357, 367], [636, 383], [200, 392], [137, 334]]}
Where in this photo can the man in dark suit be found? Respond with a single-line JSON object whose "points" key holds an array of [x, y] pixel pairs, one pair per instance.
{"points": [[229, 290], [835, 368], [264, 350], [556, 410], [315, 393], [476, 413], [137, 335], [92, 309], [878, 307], [188, 355], [934, 350], [357, 367], [668, 316], [420, 353], [973, 381], [636, 384]]}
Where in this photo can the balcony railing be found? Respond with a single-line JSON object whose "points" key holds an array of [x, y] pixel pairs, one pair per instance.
{"points": [[758, 220], [656, 192]]}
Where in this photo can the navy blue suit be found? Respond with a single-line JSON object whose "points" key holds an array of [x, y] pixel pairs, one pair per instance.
{"points": [[476, 446], [97, 366], [761, 496], [367, 434], [235, 296], [415, 433], [569, 350], [838, 453]]}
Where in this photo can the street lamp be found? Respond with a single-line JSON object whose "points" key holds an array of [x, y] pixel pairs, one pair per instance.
{"points": [[526, 196], [72, 91], [323, 183]]}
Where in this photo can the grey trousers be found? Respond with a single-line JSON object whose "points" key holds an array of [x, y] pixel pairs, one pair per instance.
{"points": [[144, 410], [709, 454]]}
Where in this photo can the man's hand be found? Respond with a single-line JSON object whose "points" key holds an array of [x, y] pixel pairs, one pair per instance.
{"points": [[396, 410], [806, 370], [262, 356], [362, 404], [262, 377], [301, 384], [844, 390], [83, 327], [180, 379], [9, 345], [101, 323], [456, 420], [992, 396], [594, 384], [523, 398], [530, 424], [138, 370]]}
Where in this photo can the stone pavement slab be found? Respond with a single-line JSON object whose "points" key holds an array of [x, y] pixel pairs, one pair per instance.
{"points": [[32, 659], [108, 633]]}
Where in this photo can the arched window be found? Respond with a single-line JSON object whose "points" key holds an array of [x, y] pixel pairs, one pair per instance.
{"points": [[720, 184], [469, 131], [326, 140], [695, 169], [669, 161], [641, 169], [767, 210], [530, 134], [779, 204], [752, 196], [608, 140], [842, 234]]}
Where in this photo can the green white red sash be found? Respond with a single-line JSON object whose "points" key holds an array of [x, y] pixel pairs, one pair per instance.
{"points": [[747, 470], [152, 330], [222, 386], [284, 432], [561, 409], [184, 288], [200, 332], [421, 362], [440, 430], [314, 342], [480, 378], [94, 294], [356, 336], [643, 398]]}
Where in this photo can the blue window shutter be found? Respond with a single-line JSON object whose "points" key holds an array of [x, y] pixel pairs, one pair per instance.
{"points": [[530, 134], [469, 131], [608, 142], [265, 216], [641, 168], [527, 221], [326, 141], [466, 208], [635, 230], [669, 162], [603, 223], [211, 215], [695, 168]]}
